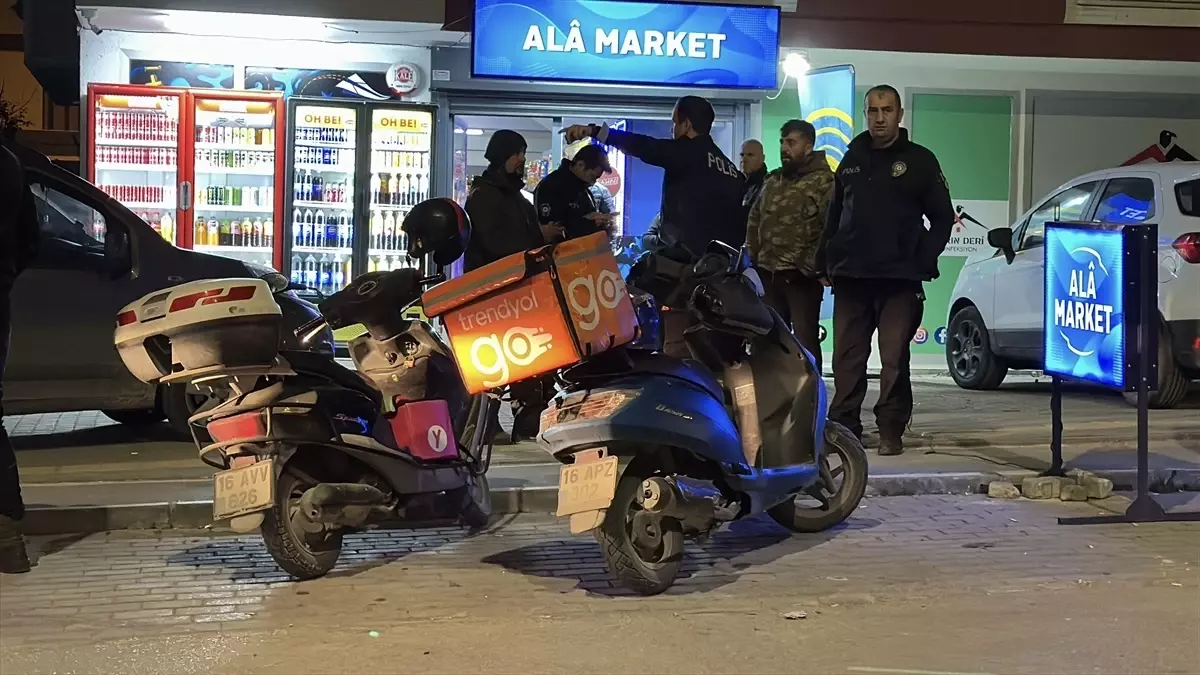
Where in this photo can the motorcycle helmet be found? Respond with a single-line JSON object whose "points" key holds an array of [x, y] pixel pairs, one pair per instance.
{"points": [[439, 227]]}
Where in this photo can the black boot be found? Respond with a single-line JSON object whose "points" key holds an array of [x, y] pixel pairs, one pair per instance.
{"points": [[891, 444], [14, 559]]}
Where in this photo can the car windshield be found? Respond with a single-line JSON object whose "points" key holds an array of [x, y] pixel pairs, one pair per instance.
{"points": [[1188, 196]]}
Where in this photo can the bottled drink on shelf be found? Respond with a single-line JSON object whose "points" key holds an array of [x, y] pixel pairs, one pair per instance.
{"points": [[247, 232], [389, 231], [319, 229], [214, 233], [226, 238], [297, 275], [376, 189], [268, 233], [167, 228], [376, 230], [339, 273], [308, 227], [325, 267], [345, 232], [310, 271], [331, 232], [395, 190], [297, 228], [422, 188], [199, 233]]}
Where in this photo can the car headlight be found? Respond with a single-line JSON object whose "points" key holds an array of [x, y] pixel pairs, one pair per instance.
{"points": [[276, 281]]}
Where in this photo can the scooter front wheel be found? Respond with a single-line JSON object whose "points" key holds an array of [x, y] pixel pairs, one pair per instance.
{"points": [[642, 550], [301, 554], [841, 487]]}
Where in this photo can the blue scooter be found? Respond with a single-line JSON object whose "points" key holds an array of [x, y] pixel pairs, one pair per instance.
{"points": [[702, 449]]}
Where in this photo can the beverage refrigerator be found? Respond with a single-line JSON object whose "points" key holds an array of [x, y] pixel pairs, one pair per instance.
{"points": [[200, 166], [355, 170]]}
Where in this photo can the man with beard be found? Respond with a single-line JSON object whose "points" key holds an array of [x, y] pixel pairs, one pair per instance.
{"points": [[18, 246], [701, 194], [754, 165], [784, 230], [504, 222], [878, 253]]}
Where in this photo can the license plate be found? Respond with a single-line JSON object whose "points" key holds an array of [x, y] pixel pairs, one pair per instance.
{"points": [[587, 487], [244, 490]]}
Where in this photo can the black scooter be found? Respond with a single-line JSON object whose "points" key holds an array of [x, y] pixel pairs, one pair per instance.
{"points": [[702, 449]]}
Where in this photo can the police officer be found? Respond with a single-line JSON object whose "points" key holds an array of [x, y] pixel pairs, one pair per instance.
{"points": [[877, 253], [565, 196], [702, 188], [784, 229]]}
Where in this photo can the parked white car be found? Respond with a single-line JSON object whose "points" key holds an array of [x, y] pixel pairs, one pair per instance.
{"points": [[995, 321]]}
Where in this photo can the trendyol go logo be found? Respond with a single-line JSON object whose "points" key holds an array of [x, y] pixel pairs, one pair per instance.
{"points": [[604, 292], [494, 355]]}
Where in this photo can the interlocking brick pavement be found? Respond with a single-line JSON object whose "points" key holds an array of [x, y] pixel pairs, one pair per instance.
{"points": [[55, 423], [138, 584]]}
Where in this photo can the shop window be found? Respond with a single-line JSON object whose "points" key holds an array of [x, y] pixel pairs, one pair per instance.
{"points": [[1067, 205], [1126, 200], [69, 228]]}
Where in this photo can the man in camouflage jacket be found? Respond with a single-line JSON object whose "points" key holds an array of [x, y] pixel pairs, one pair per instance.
{"points": [[784, 230]]}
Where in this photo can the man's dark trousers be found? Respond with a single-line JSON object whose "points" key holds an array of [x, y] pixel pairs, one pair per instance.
{"points": [[861, 307], [11, 504], [797, 298]]}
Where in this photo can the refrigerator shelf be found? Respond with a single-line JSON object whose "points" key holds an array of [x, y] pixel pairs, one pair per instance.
{"points": [[326, 168], [336, 206], [226, 208], [324, 144], [336, 250], [400, 169], [149, 206], [225, 250], [113, 166], [250, 147], [130, 143], [237, 171]]}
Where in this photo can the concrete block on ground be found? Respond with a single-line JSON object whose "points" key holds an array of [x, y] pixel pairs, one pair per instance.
{"points": [[1078, 475], [1073, 493], [1097, 487], [1042, 487], [1002, 489]]}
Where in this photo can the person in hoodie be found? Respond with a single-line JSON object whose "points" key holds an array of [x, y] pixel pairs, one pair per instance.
{"points": [[504, 222], [19, 238], [877, 253], [784, 229]]}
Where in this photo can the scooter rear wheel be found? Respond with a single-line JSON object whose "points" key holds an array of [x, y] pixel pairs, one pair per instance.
{"points": [[301, 554], [844, 463], [643, 551]]}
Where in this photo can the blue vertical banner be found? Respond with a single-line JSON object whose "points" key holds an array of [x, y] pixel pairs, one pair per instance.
{"points": [[670, 44], [827, 102]]}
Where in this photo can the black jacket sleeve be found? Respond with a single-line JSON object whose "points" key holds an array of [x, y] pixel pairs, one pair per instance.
{"points": [[655, 151], [493, 237], [833, 216], [939, 210], [551, 204]]}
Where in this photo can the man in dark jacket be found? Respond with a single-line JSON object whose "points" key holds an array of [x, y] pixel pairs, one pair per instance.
{"points": [[702, 189], [754, 166], [18, 246], [504, 222], [565, 197], [877, 252]]}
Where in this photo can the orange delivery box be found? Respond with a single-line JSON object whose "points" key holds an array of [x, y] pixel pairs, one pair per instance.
{"points": [[534, 312]]}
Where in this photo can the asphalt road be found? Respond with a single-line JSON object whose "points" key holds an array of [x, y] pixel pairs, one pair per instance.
{"points": [[909, 585]]}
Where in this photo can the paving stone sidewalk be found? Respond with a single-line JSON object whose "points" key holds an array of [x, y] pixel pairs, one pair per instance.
{"points": [[127, 584]]}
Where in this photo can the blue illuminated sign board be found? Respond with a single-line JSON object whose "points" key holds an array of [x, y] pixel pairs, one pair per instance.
{"points": [[1090, 322], [666, 44]]}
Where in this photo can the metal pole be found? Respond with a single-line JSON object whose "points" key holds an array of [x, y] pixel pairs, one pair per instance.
{"points": [[1056, 428]]}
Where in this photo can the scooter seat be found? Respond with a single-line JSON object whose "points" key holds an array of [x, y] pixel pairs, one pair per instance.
{"points": [[323, 366]]}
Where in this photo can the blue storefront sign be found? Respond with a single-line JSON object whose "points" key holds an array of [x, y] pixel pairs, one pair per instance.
{"points": [[615, 41], [1092, 283], [827, 102]]}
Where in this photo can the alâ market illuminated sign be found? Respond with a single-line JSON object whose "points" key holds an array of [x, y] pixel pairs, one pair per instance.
{"points": [[616, 41]]}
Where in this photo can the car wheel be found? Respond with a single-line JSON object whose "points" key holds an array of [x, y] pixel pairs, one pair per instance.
{"points": [[179, 402], [969, 354], [1172, 383]]}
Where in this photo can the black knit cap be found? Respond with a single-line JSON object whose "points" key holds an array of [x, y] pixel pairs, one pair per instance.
{"points": [[503, 145]]}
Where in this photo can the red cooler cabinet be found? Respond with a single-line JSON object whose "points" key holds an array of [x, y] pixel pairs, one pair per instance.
{"points": [[203, 166]]}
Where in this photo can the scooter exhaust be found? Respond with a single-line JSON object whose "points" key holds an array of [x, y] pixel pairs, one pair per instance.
{"points": [[697, 505], [342, 504]]}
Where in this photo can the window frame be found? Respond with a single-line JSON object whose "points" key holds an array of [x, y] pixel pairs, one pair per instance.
{"points": [[112, 224], [1019, 234], [1096, 198]]}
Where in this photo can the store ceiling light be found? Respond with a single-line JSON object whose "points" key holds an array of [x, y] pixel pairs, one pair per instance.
{"points": [[458, 130], [474, 132], [795, 65]]}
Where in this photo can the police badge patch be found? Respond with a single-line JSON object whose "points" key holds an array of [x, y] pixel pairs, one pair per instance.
{"points": [[898, 169], [545, 209]]}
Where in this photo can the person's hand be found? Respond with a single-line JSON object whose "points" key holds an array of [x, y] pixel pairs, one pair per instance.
{"points": [[553, 232], [825, 281], [602, 219], [577, 132]]}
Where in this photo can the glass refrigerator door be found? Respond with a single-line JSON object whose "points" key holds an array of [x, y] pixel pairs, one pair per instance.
{"points": [[136, 155], [235, 172], [401, 159], [322, 230]]}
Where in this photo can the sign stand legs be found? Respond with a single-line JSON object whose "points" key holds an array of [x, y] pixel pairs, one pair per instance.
{"points": [[1056, 429], [1144, 508]]}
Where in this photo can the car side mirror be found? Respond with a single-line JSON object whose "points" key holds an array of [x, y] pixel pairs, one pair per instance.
{"points": [[118, 252], [1001, 238]]}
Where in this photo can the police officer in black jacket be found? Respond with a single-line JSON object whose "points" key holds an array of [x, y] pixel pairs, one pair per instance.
{"points": [[876, 252], [702, 188], [565, 196]]}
